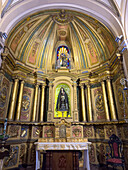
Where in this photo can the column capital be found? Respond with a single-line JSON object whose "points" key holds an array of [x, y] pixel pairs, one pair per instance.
{"points": [[37, 84], [102, 81], [82, 85], [88, 83], [22, 81], [109, 78], [51, 80], [50, 85], [74, 84], [16, 79], [74, 79], [43, 84]]}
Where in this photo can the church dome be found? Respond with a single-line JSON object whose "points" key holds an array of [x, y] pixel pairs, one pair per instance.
{"points": [[34, 40]]}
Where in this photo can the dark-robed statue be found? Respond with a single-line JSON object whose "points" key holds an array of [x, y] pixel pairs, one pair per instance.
{"points": [[62, 101]]}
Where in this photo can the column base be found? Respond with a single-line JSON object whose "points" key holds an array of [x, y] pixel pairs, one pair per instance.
{"points": [[41, 121], [75, 116], [107, 120], [114, 120], [84, 121], [49, 116], [10, 120]]}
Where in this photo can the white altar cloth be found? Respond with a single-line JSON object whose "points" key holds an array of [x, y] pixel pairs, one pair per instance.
{"points": [[63, 146]]}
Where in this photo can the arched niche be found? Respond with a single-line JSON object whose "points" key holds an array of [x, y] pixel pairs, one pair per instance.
{"points": [[66, 83], [63, 57]]}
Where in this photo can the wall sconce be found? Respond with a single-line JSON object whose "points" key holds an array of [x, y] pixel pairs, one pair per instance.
{"points": [[3, 35], [118, 38], [124, 81]]}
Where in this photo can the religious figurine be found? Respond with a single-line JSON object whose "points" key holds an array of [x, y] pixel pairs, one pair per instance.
{"points": [[5, 126], [62, 101], [63, 61]]}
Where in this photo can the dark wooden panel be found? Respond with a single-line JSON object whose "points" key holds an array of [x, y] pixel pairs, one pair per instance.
{"points": [[61, 160]]}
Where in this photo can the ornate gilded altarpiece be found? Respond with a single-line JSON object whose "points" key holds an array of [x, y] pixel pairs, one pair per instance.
{"points": [[31, 79]]}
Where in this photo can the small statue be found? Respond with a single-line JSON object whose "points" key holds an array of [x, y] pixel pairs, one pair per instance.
{"points": [[5, 126], [63, 60], [62, 101]]}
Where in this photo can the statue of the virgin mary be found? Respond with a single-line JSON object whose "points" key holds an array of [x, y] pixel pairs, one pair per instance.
{"points": [[62, 101]]}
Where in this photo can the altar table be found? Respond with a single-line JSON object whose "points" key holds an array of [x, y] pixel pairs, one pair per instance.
{"points": [[80, 146]]}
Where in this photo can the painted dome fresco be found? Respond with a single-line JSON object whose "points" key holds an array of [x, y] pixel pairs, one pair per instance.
{"points": [[41, 38]]}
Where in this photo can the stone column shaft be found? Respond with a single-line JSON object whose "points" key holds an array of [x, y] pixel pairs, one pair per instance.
{"points": [[75, 97], [50, 96], [42, 103], [83, 103], [50, 114], [13, 100], [35, 103], [105, 101], [75, 116], [20, 101], [111, 101], [89, 103]]}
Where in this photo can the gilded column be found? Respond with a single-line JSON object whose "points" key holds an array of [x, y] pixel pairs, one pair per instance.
{"points": [[42, 103], [20, 101], [49, 117], [111, 101], [83, 103], [105, 101], [35, 103], [89, 103], [13, 100], [76, 118]]}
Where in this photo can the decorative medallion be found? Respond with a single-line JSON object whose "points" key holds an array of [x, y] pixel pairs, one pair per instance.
{"points": [[36, 131], [92, 154], [22, 153], [48, 132], [62, 131], [76, 131], [121, 98], [25, 103], [88, 132], [110, 130], [12, 160], [14, 131], [62, 163], [100, 131], [99, 103], [24, 130], [63, 18], [3, 95]]}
